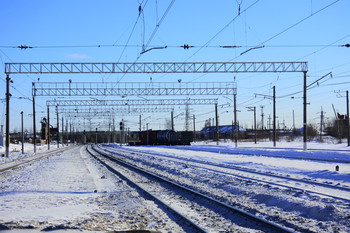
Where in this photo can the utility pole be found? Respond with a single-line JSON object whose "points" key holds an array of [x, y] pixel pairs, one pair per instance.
{"points": [[235, 116], [217, 125], [68, 132], [62, 132], [273, 97], [321, 124], [254, 109], [172, 120], [48, 127], [140, 124], [262, 118], [194, 128], [114, 134], [58, 128], [347, 115], [147, 139], [305, 113], [274, 116], [7, 145], [293, 121], [34, 123], [235, 111], [22, 133], [96, 137]]}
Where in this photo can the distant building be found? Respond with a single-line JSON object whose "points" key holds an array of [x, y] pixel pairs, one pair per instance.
{"points": [[225, 132]]}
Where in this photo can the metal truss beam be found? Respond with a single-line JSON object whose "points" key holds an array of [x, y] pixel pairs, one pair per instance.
{"points": [[154, 67], [96, 102], [107, 111], [131, 89]]}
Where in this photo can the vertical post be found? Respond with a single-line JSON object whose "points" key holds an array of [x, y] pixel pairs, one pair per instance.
{"points": [[147, 139], [48, 127], [34, 123], [254, 124], [172, 120], [253, 109], [113, 138], [235, 119], [22, 132], [58, 128], [305, 114], [96, 137], [70, 131], [62, 132], [7, 145], [194, 128], [274, 116], [110, 132], [321, 125], [140, 124], [262, 118], [232, 131], [216, 125], [347, 115], [67, 133]]}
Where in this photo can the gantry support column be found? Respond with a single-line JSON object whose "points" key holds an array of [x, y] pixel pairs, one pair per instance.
{"points": [[216, 125], [58, 128], [305, 114], [48, 127], [7, 145], [34, 124], [274, 116]]}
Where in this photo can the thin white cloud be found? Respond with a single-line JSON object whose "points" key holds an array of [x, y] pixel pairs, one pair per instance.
{"points": [[78, 56]]}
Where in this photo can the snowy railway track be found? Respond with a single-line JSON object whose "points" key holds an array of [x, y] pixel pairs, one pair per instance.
{"points": [[309, 186], [14, 164], [213, 150], [201, 212]]}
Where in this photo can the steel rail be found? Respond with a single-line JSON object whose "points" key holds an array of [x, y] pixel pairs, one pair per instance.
{"points": [[234, 167], [267, 223], [153, 197], [265, 155]]}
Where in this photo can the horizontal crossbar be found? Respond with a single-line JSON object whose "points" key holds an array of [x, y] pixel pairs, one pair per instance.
{"points": [[154, 67]]}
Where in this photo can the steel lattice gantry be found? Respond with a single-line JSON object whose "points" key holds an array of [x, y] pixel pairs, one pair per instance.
{"points": [[155, 67], [131, 88], [107, 112], [149, 67], [143, 102]]}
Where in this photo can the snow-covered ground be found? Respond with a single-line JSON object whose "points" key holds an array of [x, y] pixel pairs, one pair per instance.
{"points": [[71, 190], [15, 152], [298, 160]]}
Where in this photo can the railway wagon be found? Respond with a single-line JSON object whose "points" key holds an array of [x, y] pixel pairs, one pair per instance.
{"points": [[160, 137]]}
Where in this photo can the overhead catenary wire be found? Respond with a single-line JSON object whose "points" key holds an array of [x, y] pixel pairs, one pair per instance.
{"points": [[221, 30], [158, 25], [290, 27], [184, 46]]}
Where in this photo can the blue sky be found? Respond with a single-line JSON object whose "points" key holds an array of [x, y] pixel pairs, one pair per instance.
{"points": [[298, 30]]}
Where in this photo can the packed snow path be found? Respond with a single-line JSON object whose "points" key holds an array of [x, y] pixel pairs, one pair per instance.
{"points": [[70, 190]]}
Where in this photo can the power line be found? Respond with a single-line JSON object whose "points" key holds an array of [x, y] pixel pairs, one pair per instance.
{"points": [[220, 31], [184, 46], [288, 28], [158, 24]]}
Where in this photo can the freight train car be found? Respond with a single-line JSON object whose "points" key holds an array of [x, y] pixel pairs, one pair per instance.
{"points": [[160, 137]]}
